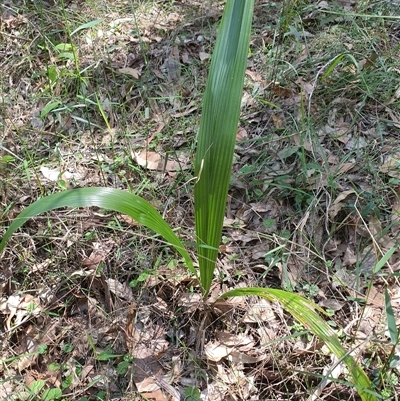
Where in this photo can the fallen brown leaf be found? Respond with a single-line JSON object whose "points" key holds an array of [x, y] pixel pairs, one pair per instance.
{"points": [[133, 72], [154, 161]]}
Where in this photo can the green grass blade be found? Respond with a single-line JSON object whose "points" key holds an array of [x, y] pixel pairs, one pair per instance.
{"points": [[107, 198], [332, 65], [88, 25], [217, 133], [304, 311], [382, 262], [391, 320]]}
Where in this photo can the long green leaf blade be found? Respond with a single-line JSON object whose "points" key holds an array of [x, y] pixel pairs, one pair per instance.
{"points": [[391, 320], [88, 25], [107, 198], [382, 262], [303, 311], [217, 133]]}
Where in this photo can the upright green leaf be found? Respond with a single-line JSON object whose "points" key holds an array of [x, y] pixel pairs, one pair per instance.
{"points": [[217, 133], [88, 25], [391, 320], [107, 198], [382, 262]]}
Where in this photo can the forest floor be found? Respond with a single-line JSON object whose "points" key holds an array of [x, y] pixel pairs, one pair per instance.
{"points": [[108, 93]]}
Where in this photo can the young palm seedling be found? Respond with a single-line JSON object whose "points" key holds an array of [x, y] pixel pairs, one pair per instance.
{"points": [[213, 163]]}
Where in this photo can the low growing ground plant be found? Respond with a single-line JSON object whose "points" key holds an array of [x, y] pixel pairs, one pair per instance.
{"points": [[213, 163]]}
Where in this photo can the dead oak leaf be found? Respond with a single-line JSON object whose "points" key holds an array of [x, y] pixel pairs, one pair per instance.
{"points": [[241, 134], [260, 311], [122, 290], [215, 351], [339, 203], [391, 166], [203, 56], [133, 72], [149, 160], [100, 251], [172, 65], [278, 122], [255, 76], [154, 161], [145, 344]]}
